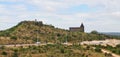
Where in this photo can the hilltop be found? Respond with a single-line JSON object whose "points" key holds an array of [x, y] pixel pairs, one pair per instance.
{"points": [[29, 32], [32, 31]]}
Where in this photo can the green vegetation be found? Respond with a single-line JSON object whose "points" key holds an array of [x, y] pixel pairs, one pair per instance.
{"points": [[28, 32], [94, 32], [56, 50], [115, 50], [98, 49], [4, 53]]}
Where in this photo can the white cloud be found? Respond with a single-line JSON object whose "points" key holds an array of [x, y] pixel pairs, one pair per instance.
{"points": [[47, 10]]}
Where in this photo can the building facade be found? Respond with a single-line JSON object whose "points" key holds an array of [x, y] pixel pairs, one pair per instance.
{"points": [[77, 29]]}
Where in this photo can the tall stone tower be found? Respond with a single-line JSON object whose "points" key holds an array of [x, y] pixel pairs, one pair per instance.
{"points": [[82, 28]]}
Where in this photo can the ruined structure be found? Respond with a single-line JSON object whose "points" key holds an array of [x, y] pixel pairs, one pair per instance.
{"points": [[77, 29], [39, 23]]}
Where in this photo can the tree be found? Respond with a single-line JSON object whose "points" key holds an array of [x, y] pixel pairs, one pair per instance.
{"points": [[94, 32]]}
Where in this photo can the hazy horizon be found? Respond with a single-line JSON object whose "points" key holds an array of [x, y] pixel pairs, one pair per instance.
{"points": [[99, 15]]}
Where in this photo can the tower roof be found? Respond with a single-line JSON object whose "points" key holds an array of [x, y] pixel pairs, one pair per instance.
{"points": [[82, 25]]}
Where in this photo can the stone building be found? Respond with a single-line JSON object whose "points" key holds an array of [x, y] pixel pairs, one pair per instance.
{"points": [[39, 23], [77, 29]]}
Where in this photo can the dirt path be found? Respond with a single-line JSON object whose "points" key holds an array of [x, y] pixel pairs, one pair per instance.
{"points": [[106, 51]]}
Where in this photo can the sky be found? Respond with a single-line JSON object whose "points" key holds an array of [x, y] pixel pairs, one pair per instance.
{"points": [[99, 15]]}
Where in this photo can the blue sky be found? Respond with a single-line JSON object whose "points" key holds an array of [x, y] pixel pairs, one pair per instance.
{"points": [[100, 15]]}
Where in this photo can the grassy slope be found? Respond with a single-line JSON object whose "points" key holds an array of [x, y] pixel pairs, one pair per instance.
{"points": [[28, 32], [51, 51]]}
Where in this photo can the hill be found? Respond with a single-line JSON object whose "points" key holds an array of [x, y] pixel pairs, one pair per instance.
{"points": [[32, 31], [112, 33], [29, 32]]}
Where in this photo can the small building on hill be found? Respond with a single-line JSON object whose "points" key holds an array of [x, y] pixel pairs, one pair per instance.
{"points": [[40, 23], [77, 29]]}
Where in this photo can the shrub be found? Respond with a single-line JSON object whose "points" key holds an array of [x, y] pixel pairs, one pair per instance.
{"points": [[98, 50], [15, 54], [14, 37], [4, 53], [62, 50]]}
